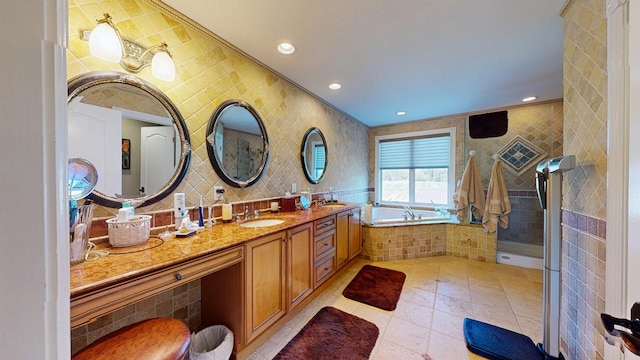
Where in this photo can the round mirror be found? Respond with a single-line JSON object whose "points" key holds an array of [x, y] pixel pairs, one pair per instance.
{"points": [[131, 132], [314, 155], [237, 143]]}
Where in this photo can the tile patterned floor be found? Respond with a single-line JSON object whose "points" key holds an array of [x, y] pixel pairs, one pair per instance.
{"points": [[438, 294]]}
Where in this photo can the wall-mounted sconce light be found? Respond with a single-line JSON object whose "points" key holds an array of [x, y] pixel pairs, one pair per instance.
{"points": [[106, 43]]}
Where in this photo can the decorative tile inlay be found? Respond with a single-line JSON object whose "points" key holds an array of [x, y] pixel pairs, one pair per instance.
{"points": [[520, 155]]}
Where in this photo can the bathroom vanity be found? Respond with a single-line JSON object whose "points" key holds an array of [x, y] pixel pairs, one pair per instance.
{"points": [[253, 280]]}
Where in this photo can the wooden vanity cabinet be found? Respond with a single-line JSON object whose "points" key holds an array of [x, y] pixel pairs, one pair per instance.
{"points": [[299, 264], [355, 233], [265, 283], [87, 307], [342, 239], [348, 236], [278, 276], [324, 238]]}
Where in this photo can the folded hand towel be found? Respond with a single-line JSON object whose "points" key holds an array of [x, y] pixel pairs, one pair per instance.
{"points": [[497, 206], [470, 191]]}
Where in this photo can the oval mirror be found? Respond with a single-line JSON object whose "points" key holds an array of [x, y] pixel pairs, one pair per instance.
{"points": [[314, 155], [131, 132], [237, 143]]}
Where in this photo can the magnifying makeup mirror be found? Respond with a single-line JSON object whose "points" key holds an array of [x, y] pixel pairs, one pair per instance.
{"points": [[82, 178]]}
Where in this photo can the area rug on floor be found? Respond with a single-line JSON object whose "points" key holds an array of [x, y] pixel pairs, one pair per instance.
{"points": [[376, 286], [332, 334]]}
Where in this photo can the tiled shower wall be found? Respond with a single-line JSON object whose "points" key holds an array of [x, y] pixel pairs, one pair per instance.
{"points": [[584, 188], [209, 72], [539, 124]]}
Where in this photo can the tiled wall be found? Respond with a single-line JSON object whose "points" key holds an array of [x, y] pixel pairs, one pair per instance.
{"points": [[210, 72], [526, 221], [539, 124], [584, 188], [181, 303], [385, 243], [422, 125]]}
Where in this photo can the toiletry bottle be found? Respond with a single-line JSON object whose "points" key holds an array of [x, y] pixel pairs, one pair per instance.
{"points": [[179, 209], [201, 213], [126, 212]]}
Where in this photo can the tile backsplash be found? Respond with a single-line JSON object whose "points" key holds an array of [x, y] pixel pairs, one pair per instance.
{"points": [[210, 72]]}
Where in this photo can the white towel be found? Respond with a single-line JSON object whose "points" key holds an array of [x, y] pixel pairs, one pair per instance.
{"points": [[497, 206], [470, 191]]}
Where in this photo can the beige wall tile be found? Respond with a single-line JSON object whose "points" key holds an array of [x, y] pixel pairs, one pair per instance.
{"points": [[585, 108], [208, 73]]}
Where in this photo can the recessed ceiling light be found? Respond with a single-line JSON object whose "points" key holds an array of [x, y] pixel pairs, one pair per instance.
{"points": [[286, 48], [530, 98], [334, 86], [400, 113]]}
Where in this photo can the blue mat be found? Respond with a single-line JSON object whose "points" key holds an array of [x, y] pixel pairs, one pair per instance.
{"points": [[496, 343]]}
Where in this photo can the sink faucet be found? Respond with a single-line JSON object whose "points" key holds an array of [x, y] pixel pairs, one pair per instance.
{"points": [[409, 211], [247, 214]]}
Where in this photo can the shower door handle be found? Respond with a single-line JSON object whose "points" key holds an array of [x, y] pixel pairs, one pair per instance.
{"points": [[541, 188]]}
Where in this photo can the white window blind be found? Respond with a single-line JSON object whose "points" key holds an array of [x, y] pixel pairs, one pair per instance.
{"points": [[415, 153], [319, 159]]}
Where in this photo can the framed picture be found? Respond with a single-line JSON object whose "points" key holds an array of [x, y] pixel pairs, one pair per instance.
{"points": [[126, 154]]}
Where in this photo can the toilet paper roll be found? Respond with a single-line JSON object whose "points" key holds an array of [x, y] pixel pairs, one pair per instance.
{"points": [[368, 213]]}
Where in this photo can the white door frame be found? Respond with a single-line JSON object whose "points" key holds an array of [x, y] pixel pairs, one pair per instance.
{"points": [[623, 180]]}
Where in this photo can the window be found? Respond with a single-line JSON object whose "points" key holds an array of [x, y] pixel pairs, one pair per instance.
{"points": [[416, 168], [318, 158]]}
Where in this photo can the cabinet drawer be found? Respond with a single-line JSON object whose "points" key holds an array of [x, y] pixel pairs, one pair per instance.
{"points": [[324, 243], [324, 269], [323, 225], [85, 308]]}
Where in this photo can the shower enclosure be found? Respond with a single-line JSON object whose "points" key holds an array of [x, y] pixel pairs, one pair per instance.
{"points": [[534, 133]]}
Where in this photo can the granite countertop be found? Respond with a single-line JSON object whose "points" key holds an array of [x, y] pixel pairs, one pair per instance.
{"points": [[123, 264]]}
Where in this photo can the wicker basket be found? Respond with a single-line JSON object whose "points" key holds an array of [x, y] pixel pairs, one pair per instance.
{"points": [[129, 233]]}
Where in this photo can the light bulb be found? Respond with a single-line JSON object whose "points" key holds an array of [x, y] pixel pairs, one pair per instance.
{"points": [[105, 44], [162, 66], [286, 48]]}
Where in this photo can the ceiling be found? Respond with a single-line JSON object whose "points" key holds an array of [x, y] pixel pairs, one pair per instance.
{"points": [[430, 58]]}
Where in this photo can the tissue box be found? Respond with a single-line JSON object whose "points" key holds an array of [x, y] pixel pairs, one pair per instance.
{"points": [[288, 204], [129, 233]]}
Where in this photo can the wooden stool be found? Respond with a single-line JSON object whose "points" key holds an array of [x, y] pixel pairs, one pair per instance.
{"points": [[153, 339]]}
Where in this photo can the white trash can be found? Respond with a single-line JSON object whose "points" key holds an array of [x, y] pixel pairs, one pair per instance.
{"points": [[212, 343]]}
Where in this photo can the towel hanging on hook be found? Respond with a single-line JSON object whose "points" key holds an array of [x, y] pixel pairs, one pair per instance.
{"points": [[470, 192], [497, 205]]}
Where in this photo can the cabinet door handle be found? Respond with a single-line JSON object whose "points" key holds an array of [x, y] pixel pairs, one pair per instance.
{"points": [[178, 276], [285, 240]]}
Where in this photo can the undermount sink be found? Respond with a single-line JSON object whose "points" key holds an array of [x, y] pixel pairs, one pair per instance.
{"points": [[261, 223], [330, 205]]}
